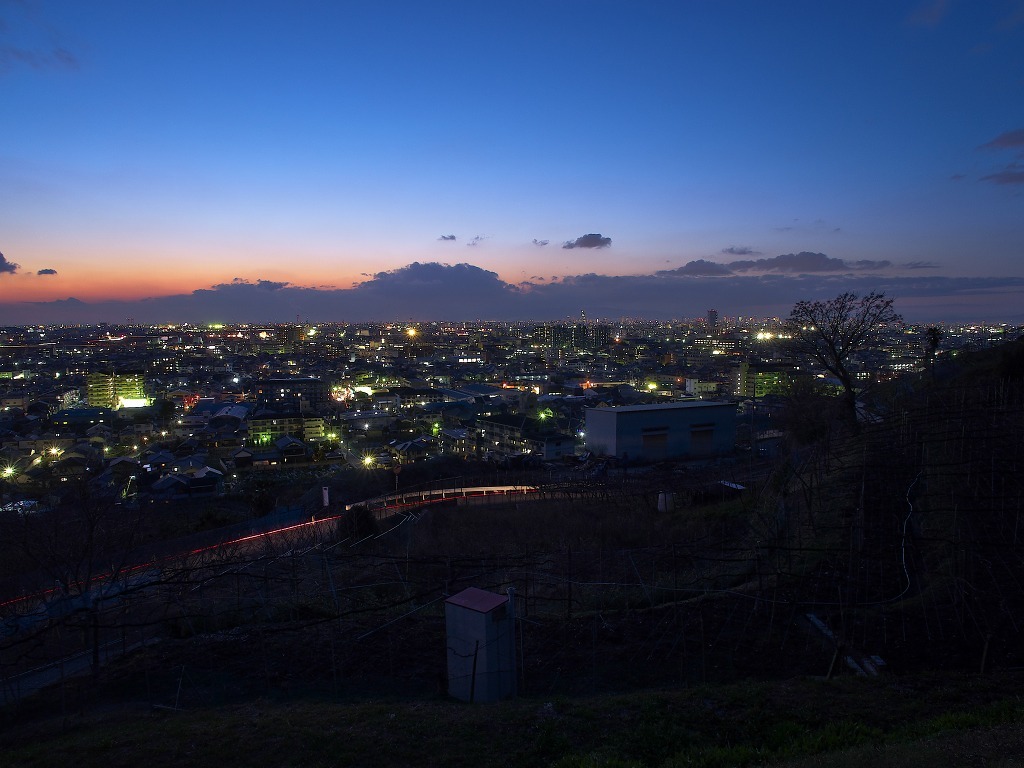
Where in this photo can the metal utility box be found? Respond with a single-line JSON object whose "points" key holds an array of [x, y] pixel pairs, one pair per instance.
{"points": [[481, 645]]}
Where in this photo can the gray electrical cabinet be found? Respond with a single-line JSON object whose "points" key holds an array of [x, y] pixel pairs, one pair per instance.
{"points": [[481, 645]]}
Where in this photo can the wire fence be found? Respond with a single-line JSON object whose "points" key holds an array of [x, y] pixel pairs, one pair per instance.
{"points": [[899, 548]]}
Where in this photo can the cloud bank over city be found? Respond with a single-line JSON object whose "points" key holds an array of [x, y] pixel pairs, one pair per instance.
{"points": [[439, 291]]}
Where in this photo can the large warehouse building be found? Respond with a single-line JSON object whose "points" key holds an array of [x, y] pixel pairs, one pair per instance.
{"points": [[679, 430]]}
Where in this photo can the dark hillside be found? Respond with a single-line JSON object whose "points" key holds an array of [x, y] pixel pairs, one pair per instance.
{"points": [[888, 554]]}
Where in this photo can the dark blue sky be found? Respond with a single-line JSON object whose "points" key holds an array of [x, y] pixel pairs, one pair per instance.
{"points": [[227, 161]]}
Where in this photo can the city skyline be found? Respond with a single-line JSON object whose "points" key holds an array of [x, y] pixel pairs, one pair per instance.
{"points": [[454, 161]]}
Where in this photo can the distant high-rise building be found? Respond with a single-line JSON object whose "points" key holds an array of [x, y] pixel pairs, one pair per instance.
{"points": [[598, 335], [712, 320], [580, 337]]}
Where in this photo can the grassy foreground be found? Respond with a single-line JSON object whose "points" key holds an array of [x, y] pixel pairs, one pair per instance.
{"points": [[924, 721]]}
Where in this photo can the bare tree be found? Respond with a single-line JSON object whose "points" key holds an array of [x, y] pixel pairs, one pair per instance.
{"points": [[832, 331]]}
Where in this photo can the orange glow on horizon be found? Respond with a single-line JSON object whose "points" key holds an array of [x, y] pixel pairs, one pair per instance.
{"points": [[130, 273]]}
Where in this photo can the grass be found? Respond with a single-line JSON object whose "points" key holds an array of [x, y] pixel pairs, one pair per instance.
{"points": [[800, 722]]}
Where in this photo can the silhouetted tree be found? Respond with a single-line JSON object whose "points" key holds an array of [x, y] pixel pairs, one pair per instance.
{"points": [[831, 331]]}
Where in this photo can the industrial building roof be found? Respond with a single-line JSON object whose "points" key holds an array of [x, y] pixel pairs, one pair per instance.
{"points": [[675, 405]]}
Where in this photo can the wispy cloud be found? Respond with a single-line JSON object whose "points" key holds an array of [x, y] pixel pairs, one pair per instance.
{"points": [[929, 13], [540, 243], [1014, 172], [27, 41], [1005, 177], [1008, 140], [740, 250], [447, 237], [55, 58], [47, 271]]}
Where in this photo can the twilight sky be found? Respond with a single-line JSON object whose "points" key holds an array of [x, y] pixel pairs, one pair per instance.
{"points": [[462, 159]]}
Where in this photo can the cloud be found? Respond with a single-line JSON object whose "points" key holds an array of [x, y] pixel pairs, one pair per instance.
{"points": [[1008, 140], [920, 265], [929, 13], [804, 262], [263, 285], [476, 240], [430, 273], [447, 237], [540, 243], [741, 250], [1005, 177], [957, 177], [699, 268], [1013, 20], [1011, 174], [588, 241], [8, 266], [47, 272], [55, 58], [29, 41], [270, 285]]}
